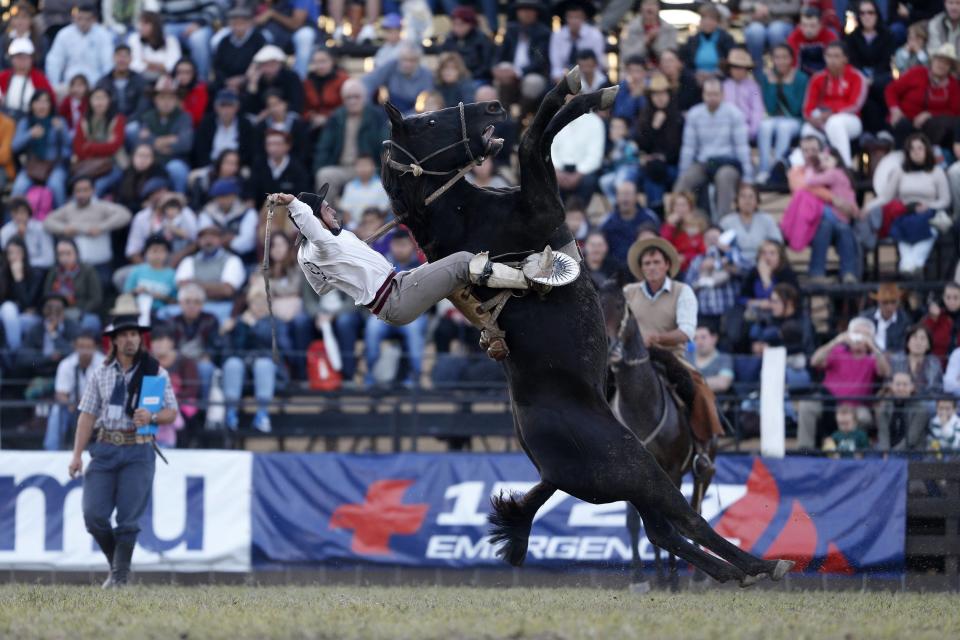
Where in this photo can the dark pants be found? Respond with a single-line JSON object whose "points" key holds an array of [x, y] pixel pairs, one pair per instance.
{"points": [[938, 128], [119, 477]]}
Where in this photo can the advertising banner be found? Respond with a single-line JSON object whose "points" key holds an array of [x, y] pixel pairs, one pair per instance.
{"points": [[198, 518], [835, 516], [237, 511]]}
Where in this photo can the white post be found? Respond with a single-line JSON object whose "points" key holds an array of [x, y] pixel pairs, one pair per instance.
{"points": [[772, 380]]}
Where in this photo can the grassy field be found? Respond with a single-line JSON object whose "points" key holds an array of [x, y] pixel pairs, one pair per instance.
{"points": [[425, 612]]}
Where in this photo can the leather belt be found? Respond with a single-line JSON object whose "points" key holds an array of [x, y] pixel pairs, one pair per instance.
{"points": [[122, 438]]}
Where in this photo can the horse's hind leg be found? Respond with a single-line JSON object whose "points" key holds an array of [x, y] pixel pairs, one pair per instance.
{"points": [[512, 518], [638, 582], [663, 534], [674, 507]]}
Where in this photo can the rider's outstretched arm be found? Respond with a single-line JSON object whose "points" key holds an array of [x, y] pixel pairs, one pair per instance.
{"points": [[311, 228]]}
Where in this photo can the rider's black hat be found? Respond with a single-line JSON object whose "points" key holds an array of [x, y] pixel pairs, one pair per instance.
{"points": [[315, 201]]}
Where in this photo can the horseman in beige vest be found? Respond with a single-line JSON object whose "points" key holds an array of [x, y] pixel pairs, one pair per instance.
{"points": [[666, 311]]}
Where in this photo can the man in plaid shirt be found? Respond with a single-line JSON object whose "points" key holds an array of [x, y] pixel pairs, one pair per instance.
{"points": [[714, 277], [120, 475]]}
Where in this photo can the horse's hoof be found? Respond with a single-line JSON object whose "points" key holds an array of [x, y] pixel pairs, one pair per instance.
{"points": [[608, 96], [640, 587], [749, 581], [573, 80], [783, 568]]}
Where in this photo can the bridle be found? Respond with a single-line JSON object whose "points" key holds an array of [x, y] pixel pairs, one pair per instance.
{"points": [[615, 347], [415, 167]]}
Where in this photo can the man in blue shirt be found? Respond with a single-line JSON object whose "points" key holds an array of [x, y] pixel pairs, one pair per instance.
{"points": [[403, 255], [623, 224], [83, 48], [291, 24]]}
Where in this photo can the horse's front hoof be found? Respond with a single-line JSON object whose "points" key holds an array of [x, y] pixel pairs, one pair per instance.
{"points": [[573, 80], [640, 587], [608, 96], [783, 568]]}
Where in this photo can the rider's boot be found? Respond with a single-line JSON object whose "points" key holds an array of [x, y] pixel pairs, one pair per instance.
{"points": [[703, 468], [486, 273]]}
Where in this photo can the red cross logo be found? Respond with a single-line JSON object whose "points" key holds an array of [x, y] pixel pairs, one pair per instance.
{"points": [[381, 515]]}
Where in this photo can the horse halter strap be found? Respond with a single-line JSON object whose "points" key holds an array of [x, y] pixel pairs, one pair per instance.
{"points": [[415, 167]]}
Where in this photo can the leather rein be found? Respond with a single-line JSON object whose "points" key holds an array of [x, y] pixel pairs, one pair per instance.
{"points": [[415, 166]]}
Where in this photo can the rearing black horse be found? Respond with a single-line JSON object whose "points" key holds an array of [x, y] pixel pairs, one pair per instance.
{"points": [[557, 367]]}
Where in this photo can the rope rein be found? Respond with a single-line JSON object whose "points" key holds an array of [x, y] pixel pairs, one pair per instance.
{"points": [[415, 167], [266, 275]]}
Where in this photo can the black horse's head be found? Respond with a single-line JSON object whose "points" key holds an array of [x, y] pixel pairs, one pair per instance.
{"points": [[445, 140], [425, 152], [623, 333]]}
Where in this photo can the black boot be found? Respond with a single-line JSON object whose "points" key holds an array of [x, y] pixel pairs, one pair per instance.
{"points": [[121, 564], [108, 545]]}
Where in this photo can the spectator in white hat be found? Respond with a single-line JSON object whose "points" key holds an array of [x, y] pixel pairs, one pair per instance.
{"points": [[22, 79], [269, 71]]}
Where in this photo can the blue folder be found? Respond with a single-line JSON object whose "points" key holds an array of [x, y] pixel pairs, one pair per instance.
{"points": [[151, 399]]}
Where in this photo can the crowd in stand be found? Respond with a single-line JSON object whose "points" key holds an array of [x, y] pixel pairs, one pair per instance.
{"points": [[138, 142]]}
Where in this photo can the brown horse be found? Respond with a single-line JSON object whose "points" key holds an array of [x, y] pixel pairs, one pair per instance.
{"points": [[655, 409]]}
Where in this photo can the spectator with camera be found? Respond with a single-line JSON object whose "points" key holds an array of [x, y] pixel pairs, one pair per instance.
{"points": [[852, 363]]}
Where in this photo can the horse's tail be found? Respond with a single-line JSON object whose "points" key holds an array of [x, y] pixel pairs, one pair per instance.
{"points": [[512, 518]]}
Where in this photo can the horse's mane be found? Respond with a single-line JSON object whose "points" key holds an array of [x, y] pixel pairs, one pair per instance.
{"points": [[676, 373], [403, 200]]}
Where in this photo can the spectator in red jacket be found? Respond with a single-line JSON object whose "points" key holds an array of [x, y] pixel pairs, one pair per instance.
{"points": [[193, 92], [321, 88], [22, 79], [943, 320], [684, 227], [99, 137], [926, 99], [809, 40], [834, 99], [74, 105]]}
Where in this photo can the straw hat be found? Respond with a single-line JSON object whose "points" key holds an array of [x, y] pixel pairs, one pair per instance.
{"points": [[946, 51], [739, 58], [637, 249]]}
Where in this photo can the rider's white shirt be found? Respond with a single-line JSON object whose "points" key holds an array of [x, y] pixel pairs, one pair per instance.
{"points": [[341, 262]]}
